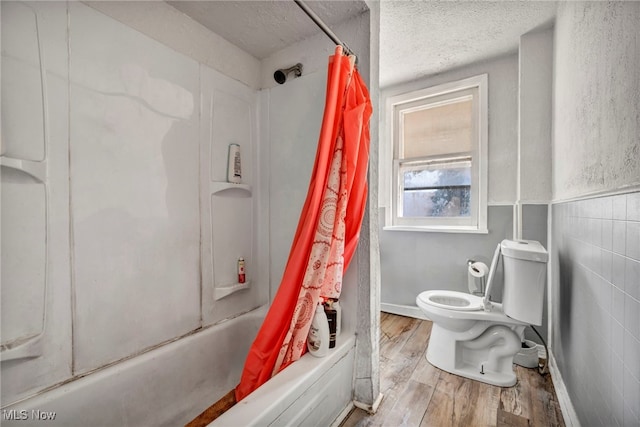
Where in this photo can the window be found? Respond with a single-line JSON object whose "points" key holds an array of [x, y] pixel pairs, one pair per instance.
{"points": [[439, 174]]}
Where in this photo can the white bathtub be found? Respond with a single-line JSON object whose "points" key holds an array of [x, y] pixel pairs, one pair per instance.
{"points": [[167, 386], [172, 384], [311, 392]]}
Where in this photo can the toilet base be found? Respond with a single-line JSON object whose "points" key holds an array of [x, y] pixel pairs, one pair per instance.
{"points": [[500, 379], [483, 353]]}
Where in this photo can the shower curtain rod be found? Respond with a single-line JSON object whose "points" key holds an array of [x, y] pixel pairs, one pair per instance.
{"points": [[315, 18]]}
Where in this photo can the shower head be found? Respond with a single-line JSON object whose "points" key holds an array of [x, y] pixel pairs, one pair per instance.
{"points": [[281, 75]]}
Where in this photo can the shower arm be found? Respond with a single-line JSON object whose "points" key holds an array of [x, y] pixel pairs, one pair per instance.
{"points": [[315, 18]]}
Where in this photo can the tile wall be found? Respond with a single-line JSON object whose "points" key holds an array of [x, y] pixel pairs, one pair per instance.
{"points": [[596, 308]]}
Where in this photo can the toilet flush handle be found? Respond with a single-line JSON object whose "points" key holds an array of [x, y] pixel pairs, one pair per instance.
{"points": [[492, 270]]}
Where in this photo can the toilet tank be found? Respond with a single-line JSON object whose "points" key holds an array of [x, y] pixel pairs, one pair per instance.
{"points": [[525, 267]]}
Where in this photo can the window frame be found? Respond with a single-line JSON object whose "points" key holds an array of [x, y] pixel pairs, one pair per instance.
{"points": [[435, 96]]}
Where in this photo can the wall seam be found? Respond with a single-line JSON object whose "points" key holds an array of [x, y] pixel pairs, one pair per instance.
{"points": [[72, 275], [595, 195]]}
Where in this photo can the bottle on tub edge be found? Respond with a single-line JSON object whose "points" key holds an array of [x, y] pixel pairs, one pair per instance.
{"points": [[318, 338], [338, 309], [332, 319]]}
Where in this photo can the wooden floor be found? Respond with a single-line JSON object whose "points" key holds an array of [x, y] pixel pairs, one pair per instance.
{"points": [[418, 394], [214, 411]]}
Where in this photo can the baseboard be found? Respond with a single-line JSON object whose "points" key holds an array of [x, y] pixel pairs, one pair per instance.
{"points": [[403, 310], [568, 412], [369, 408], [343, 415]]}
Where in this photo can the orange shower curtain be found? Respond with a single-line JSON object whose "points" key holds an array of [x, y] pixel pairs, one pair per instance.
{"points": [[328, 228]]}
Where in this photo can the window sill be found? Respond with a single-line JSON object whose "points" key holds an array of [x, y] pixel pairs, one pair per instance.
{"points": [[433, 229]]}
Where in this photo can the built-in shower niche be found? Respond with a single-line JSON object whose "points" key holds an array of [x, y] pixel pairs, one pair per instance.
{"points": [[231, 225], [23, 184], [22, 86], [24, 260], [228, 210]]}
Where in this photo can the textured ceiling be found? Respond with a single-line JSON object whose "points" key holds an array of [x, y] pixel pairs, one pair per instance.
{"points": [[421, 38], [417, 38], [264, 27]]}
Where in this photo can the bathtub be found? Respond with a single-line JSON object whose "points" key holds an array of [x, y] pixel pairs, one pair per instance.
{"points": [[167, 386], [310, 392], [172, 384]]}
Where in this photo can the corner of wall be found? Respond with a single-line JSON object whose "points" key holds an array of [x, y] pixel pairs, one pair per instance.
{"points": [[164, 23]]}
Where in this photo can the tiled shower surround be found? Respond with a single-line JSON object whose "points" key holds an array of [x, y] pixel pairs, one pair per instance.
{"points": [[596, 306]]}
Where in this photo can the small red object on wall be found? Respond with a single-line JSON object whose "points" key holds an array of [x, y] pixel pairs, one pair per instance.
{"points": [[241, 276]]}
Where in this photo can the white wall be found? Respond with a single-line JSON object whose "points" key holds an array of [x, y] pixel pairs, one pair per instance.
{"points": [[597, 98], [162, 22], [134, 150], [129, 140], [299, 101], [534, 116]]}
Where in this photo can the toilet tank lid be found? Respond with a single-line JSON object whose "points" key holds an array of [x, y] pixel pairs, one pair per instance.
{"points": [[528, 250]]}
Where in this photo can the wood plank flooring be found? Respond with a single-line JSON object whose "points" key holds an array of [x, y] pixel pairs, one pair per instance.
{"points": [[214, 411], [418, 394]]}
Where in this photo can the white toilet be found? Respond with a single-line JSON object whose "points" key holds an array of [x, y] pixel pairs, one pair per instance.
{"points": [[476, 338]]}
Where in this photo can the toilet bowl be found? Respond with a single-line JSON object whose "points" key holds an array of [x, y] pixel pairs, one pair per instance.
{"points": [[477, 338]]}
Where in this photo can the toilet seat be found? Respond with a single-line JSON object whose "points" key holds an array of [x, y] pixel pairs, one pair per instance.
{"points": [[452, 300]]}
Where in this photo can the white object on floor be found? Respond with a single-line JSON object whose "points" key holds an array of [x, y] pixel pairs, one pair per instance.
{"points": [[528, 355]]}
